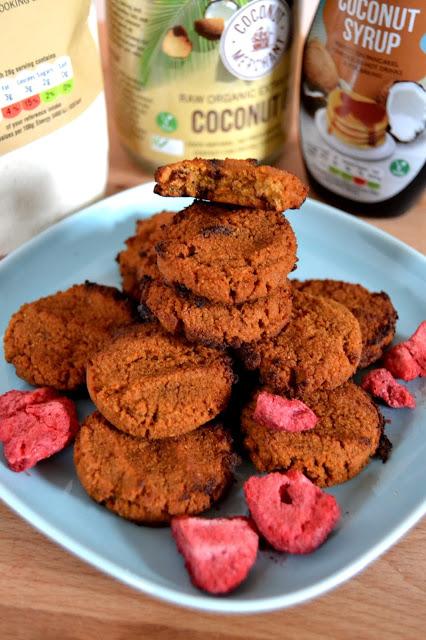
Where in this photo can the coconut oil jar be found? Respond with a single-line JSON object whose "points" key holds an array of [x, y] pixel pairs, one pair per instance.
{"points": [[200, 78], [363, 104]]}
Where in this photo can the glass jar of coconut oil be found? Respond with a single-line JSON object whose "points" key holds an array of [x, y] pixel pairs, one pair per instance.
{"points": [[200, 78]]}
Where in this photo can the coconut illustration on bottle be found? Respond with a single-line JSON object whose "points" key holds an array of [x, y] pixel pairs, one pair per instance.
{"points": [[216, 15], [320, 75], [176, 43], [406, 110]]}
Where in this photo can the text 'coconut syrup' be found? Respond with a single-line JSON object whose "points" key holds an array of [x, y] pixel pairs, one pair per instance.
{"points": [[363, 104]]}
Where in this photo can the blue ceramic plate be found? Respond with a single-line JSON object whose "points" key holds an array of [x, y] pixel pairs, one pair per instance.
{"points": [[378, 506]]}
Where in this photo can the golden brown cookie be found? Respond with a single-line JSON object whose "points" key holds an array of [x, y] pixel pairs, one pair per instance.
{"points": [[347, 435], [237, 182], [153, 385], [180, 312], [150, 482], [227, 255], [139, 258], [50, 340], [319, 348], [374, 311]]}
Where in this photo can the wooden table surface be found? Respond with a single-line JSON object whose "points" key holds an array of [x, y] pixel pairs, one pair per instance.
{"points": [[46, 593]]}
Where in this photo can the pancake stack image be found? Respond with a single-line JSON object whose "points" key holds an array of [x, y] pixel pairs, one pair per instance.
{"points": [[355, 119]]}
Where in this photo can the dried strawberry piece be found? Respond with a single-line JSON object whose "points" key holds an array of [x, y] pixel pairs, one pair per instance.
{"points": [[37, 432], [290, 512], [218, 553], [276, 412], [381, 384], [14, 401], [407, 360]]}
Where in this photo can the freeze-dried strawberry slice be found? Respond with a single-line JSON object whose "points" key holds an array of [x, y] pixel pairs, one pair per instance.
{"points": [[14, 401], [291, 513], [37, 432], [276, 412], [381, 384], [219, 553], [407, 360]]}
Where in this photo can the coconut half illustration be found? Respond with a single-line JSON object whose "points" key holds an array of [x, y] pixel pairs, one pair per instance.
{"points": [[224, 9], [313, 98], [406, 110], [176, 43], [217, 13]]}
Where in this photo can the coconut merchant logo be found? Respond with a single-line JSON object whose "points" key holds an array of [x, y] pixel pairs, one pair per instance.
{"points": [[255, 38]]}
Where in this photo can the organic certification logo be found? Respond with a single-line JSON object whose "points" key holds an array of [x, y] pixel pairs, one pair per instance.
{"points": [[166, 121], [255, 38], [399, 168]]}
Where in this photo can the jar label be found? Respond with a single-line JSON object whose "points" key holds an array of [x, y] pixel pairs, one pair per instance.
{"points": [[363, 97], [49, 69], [200, 78]]}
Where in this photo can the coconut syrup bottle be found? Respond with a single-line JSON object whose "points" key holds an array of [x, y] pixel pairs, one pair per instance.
{"points": [[363, 104]]}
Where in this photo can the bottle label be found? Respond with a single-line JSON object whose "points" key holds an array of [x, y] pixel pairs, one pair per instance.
{"points": [[49, 68], [200, 78], [363, 97]]}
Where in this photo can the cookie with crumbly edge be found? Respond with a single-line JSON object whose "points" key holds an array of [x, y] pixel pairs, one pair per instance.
{"points": [[182, 313], [153, 385], [227, 255], [319, 348], [151, 481], [139, 258], [237, 182], [348, 434], [374, 311], [50, 340]]}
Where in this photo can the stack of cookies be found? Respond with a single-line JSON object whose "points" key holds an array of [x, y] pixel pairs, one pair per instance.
{"points": [[221, 280], [153, 450], [223, 264], [213, 291]]}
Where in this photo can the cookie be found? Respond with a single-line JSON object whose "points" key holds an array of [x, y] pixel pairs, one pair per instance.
{"points": [[50, 340], [374, 311], [348, 433], [151, 481], [240, 182], [212, 323], [139, 258], [227, 255], [319, 348], [153, 385]]}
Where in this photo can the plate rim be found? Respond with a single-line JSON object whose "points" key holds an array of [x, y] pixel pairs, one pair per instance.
{"points": [[205, 602]]}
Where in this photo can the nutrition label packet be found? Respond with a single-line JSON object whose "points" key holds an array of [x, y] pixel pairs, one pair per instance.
{"points": [[44, 82], [48, 80]]}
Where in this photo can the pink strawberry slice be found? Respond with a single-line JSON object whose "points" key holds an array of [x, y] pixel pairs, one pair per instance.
{"points": [[291, 513], [14, 401], [37, 432], [218, 553], [276, 412], [407, 360], [381, 384]]}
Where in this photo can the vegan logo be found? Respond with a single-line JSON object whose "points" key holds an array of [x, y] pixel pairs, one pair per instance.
{"points": [[255, 38]]}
